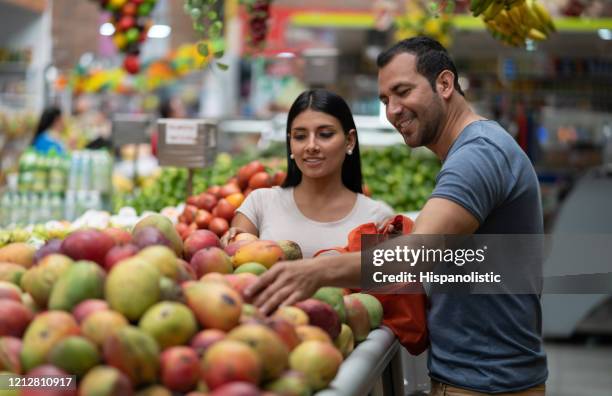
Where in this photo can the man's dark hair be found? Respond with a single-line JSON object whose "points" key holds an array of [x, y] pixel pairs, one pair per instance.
{"points": [[432, 58], [329, 103]]}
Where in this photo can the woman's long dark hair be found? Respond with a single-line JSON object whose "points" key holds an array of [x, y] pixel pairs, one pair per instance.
{"points": [[329, 103], [47, 118]]}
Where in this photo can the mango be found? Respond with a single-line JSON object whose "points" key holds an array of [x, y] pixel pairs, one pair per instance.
{"points": [[215, 305], [102, 324], [10, 349], [374, 308], [345, 342], [47, 329], [165, 226], [270, 348], [169, 323], [105, 381], [291, 250], [263, 252], [38, 281], [10, 272], [135, 353], [162, 258], [132, 287], [18, 253], [82, 281], [318, 361], [75, 354], [230, 361], [334, 297]]}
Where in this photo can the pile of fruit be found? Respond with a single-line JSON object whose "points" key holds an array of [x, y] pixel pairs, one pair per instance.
{"points": [[258, 13], [131, 20], [402, 178], [514, 21], [214, 209], [145, 313]]}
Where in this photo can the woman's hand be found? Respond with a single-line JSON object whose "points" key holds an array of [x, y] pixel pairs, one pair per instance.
{"points": [[285, 284], [229, 235]]}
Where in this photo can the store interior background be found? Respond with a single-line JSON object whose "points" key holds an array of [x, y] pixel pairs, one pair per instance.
{"points": [[553, 96]]}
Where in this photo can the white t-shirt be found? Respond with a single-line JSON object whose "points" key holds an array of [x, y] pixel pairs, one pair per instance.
{"points": [[275, 214]]}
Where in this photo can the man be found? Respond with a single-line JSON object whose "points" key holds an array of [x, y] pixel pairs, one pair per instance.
{"points": [[487, 344]]}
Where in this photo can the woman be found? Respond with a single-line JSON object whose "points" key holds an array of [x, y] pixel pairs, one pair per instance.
{"points": [[321, 200], [47, 136]]}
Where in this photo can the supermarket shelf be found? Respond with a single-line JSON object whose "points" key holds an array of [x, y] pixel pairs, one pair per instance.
{"points": [[361, 372], [364, 20]]}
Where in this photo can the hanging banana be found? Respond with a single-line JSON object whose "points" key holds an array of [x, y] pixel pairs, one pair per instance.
{"points": [[514, 21]]}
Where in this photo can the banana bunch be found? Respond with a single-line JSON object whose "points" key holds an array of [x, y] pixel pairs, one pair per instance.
{"points": [[514, 21]]}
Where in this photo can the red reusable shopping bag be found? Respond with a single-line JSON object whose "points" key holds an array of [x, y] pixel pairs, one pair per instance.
{"points": [[404, 314]]}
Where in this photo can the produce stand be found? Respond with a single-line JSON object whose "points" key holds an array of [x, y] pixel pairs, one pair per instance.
{"points": [[374, 367]]}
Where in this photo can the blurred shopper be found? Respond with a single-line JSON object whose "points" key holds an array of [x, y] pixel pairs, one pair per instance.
{"points": [[480, 344], [168, 108], [48, 132], [321, 199]]}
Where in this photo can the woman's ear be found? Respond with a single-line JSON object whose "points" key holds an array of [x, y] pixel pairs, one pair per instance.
{"points": [[351, 139]]}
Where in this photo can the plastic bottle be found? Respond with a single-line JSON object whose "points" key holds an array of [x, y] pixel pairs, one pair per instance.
{"points": [[6, 206]]}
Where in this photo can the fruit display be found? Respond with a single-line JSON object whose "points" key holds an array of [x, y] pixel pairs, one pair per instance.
{"points": [[145, 311], [131, 21], [402, 178], [408, 181], [214, 208], [514, 21], [258, 12], [171, 185], [209, 25]]}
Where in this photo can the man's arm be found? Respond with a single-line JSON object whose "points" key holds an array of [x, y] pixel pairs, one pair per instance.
{"points": [[289, 282]]}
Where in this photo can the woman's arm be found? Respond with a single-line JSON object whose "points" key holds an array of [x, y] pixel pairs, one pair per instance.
{"points": [[240, 224]]}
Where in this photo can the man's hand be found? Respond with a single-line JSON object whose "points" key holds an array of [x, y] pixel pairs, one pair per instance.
{"points": [[285, 284]]}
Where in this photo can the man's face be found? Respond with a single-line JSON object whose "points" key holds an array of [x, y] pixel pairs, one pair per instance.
{"points": [[412, 106]]}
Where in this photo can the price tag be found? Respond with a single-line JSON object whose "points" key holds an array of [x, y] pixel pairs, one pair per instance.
{"points": [[190, 143], [183, 133]]}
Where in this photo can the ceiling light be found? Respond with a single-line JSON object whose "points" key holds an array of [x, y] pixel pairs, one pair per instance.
{"points": [[107, 29], [159, 31], [605, 34]]}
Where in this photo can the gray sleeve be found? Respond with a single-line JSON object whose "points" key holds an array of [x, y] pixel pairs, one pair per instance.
{"points": [[251, 208], [477, 176]]}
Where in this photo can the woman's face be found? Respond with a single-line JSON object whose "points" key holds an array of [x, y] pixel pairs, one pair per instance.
{"points": [[318, 144]]}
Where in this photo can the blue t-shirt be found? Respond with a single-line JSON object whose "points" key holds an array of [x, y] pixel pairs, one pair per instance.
{"points": [[44, 143], [489, 343]]}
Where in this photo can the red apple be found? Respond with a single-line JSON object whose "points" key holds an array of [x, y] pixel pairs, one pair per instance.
{"points": [[89, 245], [118, 253], [206, 201], [119, 235], [211, 259], [180, 368], [203, 218], [218, 225], [225, 209], [200, 239], [87, 307]]}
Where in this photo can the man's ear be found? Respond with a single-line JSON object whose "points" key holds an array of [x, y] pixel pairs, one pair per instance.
{"points": [[445, 83]]}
